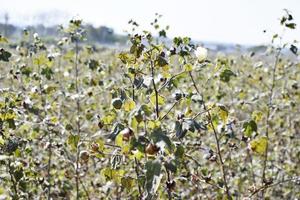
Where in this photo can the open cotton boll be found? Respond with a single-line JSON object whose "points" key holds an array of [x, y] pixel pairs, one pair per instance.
{"points": [[35, 35], [201, 53]]}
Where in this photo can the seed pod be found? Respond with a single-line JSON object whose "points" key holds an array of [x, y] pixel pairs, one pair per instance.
{"points": [[152, 149], [127, 134], [100, 124], [84, 156], [95, 147], [117, 103]]}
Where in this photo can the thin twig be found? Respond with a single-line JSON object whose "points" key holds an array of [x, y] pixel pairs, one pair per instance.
{"points": [[170, 79], [155, 90], [201, 112], [85, 190], [49, 164], [168, 188], [163, 117], [14, 184], [137, 176], [264, 187], [263, 180], [216, 138], [77, 120]]}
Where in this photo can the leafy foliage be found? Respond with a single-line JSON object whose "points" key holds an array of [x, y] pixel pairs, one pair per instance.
{"points": [[160, 120]]}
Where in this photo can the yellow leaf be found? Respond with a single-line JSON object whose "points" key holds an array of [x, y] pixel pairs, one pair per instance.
{"points": [[128, 183], [188, 67], [161, 99], [113, 174], [188, 111], [109, 118], [257, 116], [3, 39], [166, 68], [126, 148], [223, 113], [69, 55], [166, 74], [152, 124], [42, 60], [133, 123], [2, 142], [136, 154], [119, 140], [100, 143], [54, 120], [129, 105], [259, 145]]}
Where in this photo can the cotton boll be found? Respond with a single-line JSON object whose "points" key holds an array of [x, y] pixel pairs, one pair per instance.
{"points": [[201, 53], [36, 36]]}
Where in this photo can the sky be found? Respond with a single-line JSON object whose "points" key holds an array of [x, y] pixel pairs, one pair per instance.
{"points": [[226, 21]]}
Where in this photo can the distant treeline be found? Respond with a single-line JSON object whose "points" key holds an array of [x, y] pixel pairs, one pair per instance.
{"points": [[102, 34]]}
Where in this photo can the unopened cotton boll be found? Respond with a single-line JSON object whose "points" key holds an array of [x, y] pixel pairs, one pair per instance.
{"points": [[201, 53]]}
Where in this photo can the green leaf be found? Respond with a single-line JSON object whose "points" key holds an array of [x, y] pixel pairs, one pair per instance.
{"points": [[73, 140], [226, 74], [153, 177], [47, 72], [179, 153], [161, 61], [294, 49], [146, 110], [249, 127], [162, 33], [290, 25], [180, 133], [4, 55], [93, 64], [118, 127], [11, 123], [158, 135], [171, 165]]}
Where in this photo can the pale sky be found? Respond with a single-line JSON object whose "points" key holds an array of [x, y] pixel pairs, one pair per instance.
{"points": [[227, 21]]}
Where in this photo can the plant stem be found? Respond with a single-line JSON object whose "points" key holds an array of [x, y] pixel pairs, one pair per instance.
{"points": [[268, 119], [174, 104], [137, 176], [43, 101], [77, 121], [85, 190], [216, 137], [155, 90], [264, 187], [49, 164], [168, 188], [14, 184], [133, 89]]}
